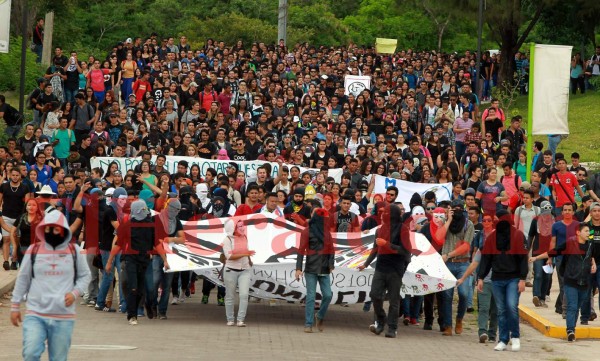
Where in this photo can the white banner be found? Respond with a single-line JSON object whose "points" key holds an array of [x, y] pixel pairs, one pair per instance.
{"points": [[275, 260], [354, 84], [407, 189], [551, 77], [5, 25], [248, 167]]}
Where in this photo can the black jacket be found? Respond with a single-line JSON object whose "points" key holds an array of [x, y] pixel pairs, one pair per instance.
{"points": [[316, 245], [577, 264], [505, 253]]}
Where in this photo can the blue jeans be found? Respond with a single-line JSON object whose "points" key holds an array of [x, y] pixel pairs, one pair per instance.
{"points": [[540, 279], [311, 294], [164, 280], [458, 270], [587, 304], [36, 330], [70, 95], [411, 306], [38, 49], [553, 141], [107, 281], [470, 281], [37, 118], [575, 298], [486, 88], [13, 130], [461, 147], [506, 294]]}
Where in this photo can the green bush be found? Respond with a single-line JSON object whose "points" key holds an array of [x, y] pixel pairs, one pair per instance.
{"points": [[10, 68]]}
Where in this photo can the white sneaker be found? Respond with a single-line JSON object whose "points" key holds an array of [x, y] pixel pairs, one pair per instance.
{"points": [[175, 301], [133, 321], [516, 344], [241, 324], [182, 299], [501, 346], [230, 323]]}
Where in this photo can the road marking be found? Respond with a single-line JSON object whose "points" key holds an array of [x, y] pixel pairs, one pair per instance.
{"points": [[103, 347]]}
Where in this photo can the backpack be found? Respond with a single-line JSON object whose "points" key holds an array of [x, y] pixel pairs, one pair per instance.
{"points": [[36, 248], [88, 107], [212, 92], [516, 181], [69, 132]]}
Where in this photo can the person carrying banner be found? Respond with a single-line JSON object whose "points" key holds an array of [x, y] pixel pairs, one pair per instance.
{"points": [[393, 257], [236, 274], [459, 232], [53, 274], [316, 246]]}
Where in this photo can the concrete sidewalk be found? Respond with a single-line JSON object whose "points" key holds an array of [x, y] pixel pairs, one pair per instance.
{"points": [[550, 323], [7, 281]]}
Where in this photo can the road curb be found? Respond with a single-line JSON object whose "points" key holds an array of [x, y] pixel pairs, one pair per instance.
{"points": [[8, 284], [550, 329]]}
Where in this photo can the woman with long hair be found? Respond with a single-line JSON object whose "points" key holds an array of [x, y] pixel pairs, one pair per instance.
{"points": [[21, 235], [146, 178], [50, 118], [127, 76]]}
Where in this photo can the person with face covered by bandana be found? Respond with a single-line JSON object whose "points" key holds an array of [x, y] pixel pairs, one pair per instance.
{"points": [[220, 206], [297, 211], [202, 193], [53, 274], [487, 317], [459, 232], [111, 218], [169, 218], [540, 232], [392, 250], [505, 254], [430, 231], [139, 238]]}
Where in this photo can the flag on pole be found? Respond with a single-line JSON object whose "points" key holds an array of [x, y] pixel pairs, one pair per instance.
{"points": [[550, 86], [5, 25]]}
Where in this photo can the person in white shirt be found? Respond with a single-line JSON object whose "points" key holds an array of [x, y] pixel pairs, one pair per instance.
{"points": [[523, 217], [237, 270]]}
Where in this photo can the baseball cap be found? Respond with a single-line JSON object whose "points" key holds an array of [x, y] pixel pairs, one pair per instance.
{"points": [[525, 185]]}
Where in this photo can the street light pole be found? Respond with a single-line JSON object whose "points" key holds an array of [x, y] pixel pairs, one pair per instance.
{"points": [[282, 21], [24, 37], [478, 89]]}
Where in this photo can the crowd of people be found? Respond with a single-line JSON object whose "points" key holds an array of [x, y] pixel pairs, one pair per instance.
{"points": [[420, 122]]}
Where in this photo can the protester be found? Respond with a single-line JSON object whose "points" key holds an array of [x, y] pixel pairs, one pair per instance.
{"points": [[50, 289]]}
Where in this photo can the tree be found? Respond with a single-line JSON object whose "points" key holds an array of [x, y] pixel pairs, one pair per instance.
{"points": [[438, 12], [510, 22]]}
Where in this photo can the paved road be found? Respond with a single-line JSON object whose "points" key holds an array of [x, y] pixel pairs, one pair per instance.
{"points": [[195, 331]]}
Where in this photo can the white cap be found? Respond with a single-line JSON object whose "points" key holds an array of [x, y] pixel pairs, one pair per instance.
{"points": [[109, 192]]}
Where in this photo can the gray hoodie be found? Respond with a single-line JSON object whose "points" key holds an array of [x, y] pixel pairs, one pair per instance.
{"points": [[53, 274]]}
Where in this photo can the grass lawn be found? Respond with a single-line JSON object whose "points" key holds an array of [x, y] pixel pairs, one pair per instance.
{"points": [[584, 115]]}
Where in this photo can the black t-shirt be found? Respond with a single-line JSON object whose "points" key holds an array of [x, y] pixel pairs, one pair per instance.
{"points": [[240, 157], [178, 227], [493, 126], [13, 199], [595, 234], [345, 222], [253, 149], [44, 99], [107, 231]]}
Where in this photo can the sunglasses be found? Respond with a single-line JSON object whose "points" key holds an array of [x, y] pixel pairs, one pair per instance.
{"points": [[430, 208]]}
